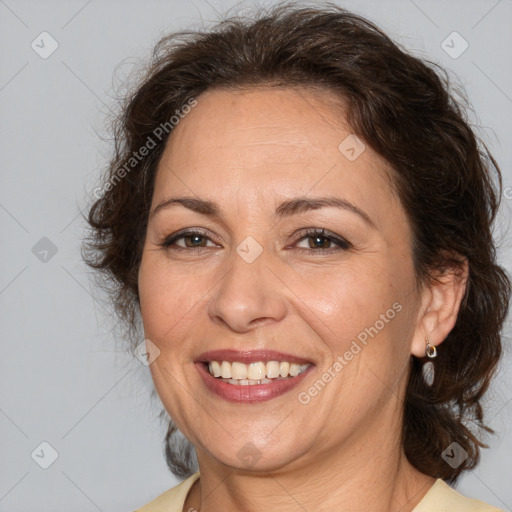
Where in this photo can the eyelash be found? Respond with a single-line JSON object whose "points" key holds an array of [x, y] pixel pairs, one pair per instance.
{"points": [[340, 242], [307, 233]]}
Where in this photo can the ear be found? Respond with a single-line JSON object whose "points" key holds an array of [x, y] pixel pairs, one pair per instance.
{"points": [[440, 303]]}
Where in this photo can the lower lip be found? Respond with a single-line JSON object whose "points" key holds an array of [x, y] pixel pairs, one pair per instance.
{"points": [[251, 393]]}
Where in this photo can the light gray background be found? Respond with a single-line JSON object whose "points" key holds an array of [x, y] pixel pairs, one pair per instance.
{"points": [[63, 378]]}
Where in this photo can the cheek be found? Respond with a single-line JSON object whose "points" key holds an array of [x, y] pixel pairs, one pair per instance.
{"points": [[364, 316], [347, 300], [166, 298]]}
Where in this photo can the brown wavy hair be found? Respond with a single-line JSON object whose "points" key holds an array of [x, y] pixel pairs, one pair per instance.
{"points": [[401, 106]]}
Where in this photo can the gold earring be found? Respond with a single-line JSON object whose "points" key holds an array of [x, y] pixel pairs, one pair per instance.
{"points": [[430, 350]]}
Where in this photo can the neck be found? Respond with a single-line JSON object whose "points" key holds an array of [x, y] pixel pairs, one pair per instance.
{"points": [[373, 475]]}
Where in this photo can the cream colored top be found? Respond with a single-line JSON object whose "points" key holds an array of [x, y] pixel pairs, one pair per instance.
{"points": [[440, 498]]}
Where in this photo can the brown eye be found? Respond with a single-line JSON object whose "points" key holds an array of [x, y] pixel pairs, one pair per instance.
{"points": [[195, 241], [319, 242], [188, 240]]}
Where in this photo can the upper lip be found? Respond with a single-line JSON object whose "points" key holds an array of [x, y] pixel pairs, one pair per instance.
{"points": [[249, 356]]}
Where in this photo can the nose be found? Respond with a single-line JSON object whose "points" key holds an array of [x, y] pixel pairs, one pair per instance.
{"points": [[248, 296]]}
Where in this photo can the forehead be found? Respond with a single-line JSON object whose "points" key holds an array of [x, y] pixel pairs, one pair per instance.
{"points": [[267, 142], [263, 119]]}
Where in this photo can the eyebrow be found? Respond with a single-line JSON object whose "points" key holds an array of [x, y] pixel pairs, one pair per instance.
{"points": [[285, 209]]}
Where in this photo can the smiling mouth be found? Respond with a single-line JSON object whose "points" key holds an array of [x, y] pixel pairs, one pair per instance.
{"points": [[260, 372]]}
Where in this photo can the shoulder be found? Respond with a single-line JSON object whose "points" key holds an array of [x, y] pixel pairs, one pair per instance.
{"points": [[173, 499], [443, 498]]}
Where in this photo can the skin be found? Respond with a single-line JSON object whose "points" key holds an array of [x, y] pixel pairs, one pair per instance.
{"points": [[248, 151]]}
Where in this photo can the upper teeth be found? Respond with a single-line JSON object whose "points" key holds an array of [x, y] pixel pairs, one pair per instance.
{"points": [[255, 371]]}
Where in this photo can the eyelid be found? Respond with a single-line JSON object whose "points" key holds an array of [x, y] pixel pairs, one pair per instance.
{"points": [[182, 233], [341, 242]]}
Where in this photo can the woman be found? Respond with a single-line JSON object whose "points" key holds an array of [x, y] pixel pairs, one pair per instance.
{"points": [[302, 217]]}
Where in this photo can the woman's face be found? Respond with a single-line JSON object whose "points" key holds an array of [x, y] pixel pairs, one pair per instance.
{"points": [[263, 172]]}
